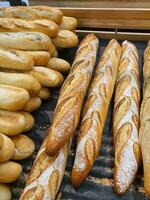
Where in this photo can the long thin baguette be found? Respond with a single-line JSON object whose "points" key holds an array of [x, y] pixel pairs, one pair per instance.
{"points": [[126, 119], [45, 26], [30, 41], [67, 112], [32, 13], [95, 112], [46, 175], [144, 121], [15, 59]]}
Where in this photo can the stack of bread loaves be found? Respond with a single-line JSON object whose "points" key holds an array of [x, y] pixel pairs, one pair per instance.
{"points": [[29, 38]]}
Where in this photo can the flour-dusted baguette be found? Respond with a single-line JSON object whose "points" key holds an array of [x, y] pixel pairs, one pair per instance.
{"points": [[12, 123], [32, 13], [47, 77], [5, 192], [67, 112], [45, 26], [33, 104], [15, 59], [144, 121], [24, 147], [40, 57], [25, 81], [68, 23], [12, 98], [31, 41], [95, 112], [46, 174], [126, 119], [8, 149], [65, 39]]}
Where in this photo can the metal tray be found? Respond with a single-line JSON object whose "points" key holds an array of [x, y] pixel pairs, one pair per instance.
{"points": [[99, 183]]}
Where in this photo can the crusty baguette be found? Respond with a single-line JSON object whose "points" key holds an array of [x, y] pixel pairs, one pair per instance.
{"points": [[45, 26], [8, 149], [144, 121], [68, 23], [24, 147], [9, 171], [32, 13], [40, 58], [5, 192], [15, 59], [33, 104], [52, 50], [126, 119], [95, 112], [25, 81], [12, 98], [46, 175], [47, 77], [12, 123], [67, 112], [65, 39], [31, 41], [1, 141], [58, 64], [44, 93]]}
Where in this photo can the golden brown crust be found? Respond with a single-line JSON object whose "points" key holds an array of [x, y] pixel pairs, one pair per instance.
{"points": [[46, 174], [72, 93], [32, 13], [40, 58], [126, 119], [144, 121], [95, 112], [45, 26], [68, 23]]}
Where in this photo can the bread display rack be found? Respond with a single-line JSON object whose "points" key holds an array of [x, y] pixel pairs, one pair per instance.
{"points": [[121, 20]]}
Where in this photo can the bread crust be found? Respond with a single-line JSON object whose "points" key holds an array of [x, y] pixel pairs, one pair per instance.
{"points": [[95, 112], [67, 112]]}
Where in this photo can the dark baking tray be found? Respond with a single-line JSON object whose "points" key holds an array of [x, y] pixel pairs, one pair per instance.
{"points": [[99, 183]]}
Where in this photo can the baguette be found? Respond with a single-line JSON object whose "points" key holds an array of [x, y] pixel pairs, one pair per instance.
{"points": [[5, 192], [47, 77], [67, 112], [31, 41], [45, 26], [46, 175], [68, 23], [58, 64], [126, 119], [29, 121], [144, 121], [12, 98], [95, 113], [44, 93], [12, 123], [15, 59], [65, 39], [8, 149], [40, 58], [9, 171], [25, 81], [33, 104], [52, 50], [24, 147], [32, 13]]}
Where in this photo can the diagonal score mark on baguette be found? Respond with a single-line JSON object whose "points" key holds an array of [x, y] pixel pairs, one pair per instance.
{"points": [[46, 174], [95, 112], [126, 119], [67, 116]]}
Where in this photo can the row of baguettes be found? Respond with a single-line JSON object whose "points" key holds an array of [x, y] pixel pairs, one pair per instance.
{"points": [[117, 65]]}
